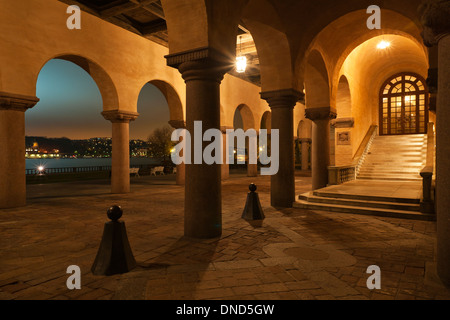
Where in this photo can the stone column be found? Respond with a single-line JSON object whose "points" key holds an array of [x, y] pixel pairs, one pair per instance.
{"points": [[181, 168], [12, 147], [305, 154], [225, 166], [120, 174], [282, 103], [203, 71], [321, 118], [252, 170], [437, 32]]}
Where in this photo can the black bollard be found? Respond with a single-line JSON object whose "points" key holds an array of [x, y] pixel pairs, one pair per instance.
{"points": [[253, 210], [114, 255]]}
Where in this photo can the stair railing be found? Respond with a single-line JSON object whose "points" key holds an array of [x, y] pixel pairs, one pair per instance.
{"points": [[427, 202], [342, 174]]}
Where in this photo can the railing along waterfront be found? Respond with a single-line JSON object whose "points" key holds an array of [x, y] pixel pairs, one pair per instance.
{"points": [[71, 170]]}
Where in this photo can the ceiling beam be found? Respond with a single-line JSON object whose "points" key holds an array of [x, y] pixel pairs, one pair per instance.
{"points": [[153, 27], [125, 7], [119, 9], [154, 8]]}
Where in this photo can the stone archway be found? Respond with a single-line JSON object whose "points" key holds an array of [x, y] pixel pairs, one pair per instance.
{"points": [[318, 110], [303, 145], [176, 117], [101, 77], [12, 109], [247, 122]]}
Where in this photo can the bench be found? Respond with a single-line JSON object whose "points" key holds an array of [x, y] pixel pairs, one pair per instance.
{"points": [[157, 170], [134, 171]]}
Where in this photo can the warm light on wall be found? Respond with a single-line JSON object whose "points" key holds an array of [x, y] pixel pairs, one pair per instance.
{"points": [[383, 45]]}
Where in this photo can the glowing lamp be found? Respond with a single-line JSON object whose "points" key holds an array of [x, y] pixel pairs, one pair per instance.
{"points": [[241, 64], [383, 45]]}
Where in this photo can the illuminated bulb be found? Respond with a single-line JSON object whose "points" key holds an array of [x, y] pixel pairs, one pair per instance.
{"points": [[41, 168], [241, 64], [383, 45]]}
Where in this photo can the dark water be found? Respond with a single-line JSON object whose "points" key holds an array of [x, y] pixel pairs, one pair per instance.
{"points": [[72, 163]]}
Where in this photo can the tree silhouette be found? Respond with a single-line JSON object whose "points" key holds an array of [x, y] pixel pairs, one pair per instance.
{"points": [[160, 142]]}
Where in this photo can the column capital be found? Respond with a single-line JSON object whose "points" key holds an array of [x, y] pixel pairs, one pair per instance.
{"points": [[286, 98], [177, 124], [17, 102], [323, 113], [118, 116], [201, 64], [435, 20]]}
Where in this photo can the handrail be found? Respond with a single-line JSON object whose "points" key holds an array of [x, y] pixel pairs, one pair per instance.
{"points": [[341, 174], [364, 148], [427, 205]]}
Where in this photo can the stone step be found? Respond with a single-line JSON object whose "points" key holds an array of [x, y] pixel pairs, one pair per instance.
{"points": [[416, 153], [392, 166], [392, 163], [388, 178], [389, 161], [375, 151], [310, 197], [412, 215], [384, 171], [399, 143], [336, 195]]}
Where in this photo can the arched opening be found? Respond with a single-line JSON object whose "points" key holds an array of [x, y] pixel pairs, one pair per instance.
{"points": [[367, 69], [341, 152], [161, 112], [244, 119], [343, 99], [404, 105], [67, 138], [266, 121], [303, 146]]}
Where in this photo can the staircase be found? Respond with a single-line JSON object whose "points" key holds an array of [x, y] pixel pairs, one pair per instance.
{"points": [[399, 158], [388, 183]]}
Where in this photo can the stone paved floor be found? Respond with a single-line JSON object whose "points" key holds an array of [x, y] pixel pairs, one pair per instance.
{"points": [[295, 254]]}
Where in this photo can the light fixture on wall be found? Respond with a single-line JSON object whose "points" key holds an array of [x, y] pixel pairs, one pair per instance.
{"points": [[383, 45], [241, 61]]}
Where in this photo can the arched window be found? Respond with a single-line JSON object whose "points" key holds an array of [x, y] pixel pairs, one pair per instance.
{"points": [[404, 105]]}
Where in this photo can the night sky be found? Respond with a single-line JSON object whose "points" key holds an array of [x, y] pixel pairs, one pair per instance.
{"points": [[71, 106]]}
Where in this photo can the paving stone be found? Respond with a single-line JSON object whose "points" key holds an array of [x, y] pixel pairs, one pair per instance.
{"points": [[39, 243]]}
